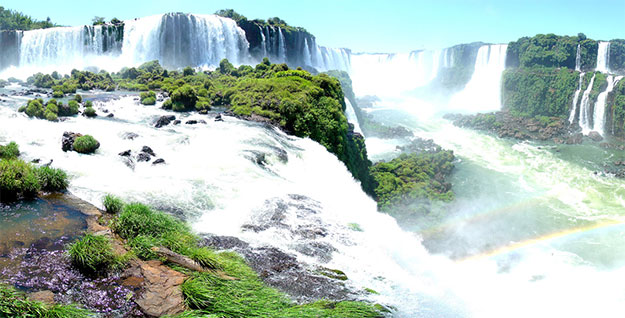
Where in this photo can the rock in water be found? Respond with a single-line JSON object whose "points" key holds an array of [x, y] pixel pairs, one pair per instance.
{"points": [[595, 136], [148, 150], [159, 161], [164, 121], [68, 140]]}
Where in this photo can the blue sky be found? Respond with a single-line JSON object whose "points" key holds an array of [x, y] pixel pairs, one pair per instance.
{"points": [[376, 26]]}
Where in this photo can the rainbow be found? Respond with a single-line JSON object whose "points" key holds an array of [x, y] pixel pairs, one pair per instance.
{"points": [[544, 238]]}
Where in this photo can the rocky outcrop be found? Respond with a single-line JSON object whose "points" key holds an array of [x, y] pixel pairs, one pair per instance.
{"points": [[67, 142], [158, 287], [164, 121]]}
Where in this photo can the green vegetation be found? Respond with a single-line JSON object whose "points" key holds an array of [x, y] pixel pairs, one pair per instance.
{"points": [[548, 50], [539, 91], [50, 110], [90, 112], [242, 20], [10, 151], [208, 293], [458, 75], [13, 20], [86, 144], [413, 177], [618, 110], [148, 98], [21, 179], [112, 204], [16, 304], [617, 56], [93, 254]]}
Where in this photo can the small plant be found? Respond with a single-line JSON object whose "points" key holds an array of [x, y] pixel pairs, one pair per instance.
{"points": [[17, 178], [52, 179], [58, 94], [92, 253], [78, 98], [86, 144], [112, 204], [90, 112], [10, 151], [148, 98], [15, 304]]}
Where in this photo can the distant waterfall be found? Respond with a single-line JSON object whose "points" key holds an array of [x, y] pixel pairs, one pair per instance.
{"points": [[281, 46], [603, 57], [576, 97], [483, 91], [599, 113], [584, 111], [578, 59], [350, 113]]}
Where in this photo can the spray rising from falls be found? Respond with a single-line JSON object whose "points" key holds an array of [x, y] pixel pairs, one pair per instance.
{"points": [[603, 57], [599, 113], [482, 93]]}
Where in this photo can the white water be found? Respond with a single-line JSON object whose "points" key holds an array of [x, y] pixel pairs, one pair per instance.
{"points": [[351, 116], [578, 59], [576, 97], [483, 92], [603, 57], [584, 111], [599, 113]]}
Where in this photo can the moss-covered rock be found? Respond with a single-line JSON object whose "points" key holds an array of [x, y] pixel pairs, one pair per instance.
{"points": [[85, 144]]}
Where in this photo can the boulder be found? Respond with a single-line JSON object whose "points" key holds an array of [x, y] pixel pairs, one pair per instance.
{"points": [[191, 122], [129, 135], [218, 118], [595, 136], [575, 139], [143, 157], [44, 296], [148, 150], [68, 140], [159, 161], [164, 121], [125, 153]]}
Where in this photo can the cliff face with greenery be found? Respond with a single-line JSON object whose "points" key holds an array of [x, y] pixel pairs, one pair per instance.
{"points": [[13, 20], [463, 57], [540, 80]]}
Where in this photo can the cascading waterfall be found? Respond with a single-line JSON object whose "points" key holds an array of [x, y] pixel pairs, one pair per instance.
{"points": [[578, 59], [307, 55], [584, 111], [350, 113], [603, 57], [576, 98], [599, 112], [281, 46], [483, 91], [263, 43]]}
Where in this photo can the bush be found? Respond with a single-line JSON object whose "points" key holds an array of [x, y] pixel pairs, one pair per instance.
{"points": [[17, 178], [86, 144], [88, 104], [112, 204], [50, 115], [73, 107], [52, 179], [78, 98], [10, 151], [90, 112], [92, 253], [148, 98], [58, 94], [35, 108], [184, 98]]}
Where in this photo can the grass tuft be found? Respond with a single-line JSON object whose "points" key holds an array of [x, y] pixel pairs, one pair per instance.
{"points": [[15, 304], [112, 204]]}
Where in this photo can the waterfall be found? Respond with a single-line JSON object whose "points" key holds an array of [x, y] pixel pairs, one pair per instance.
{"points": [[447, 56], [578, 59], [584, 112], [603, 57], [307, 55], [281, 46], [576, 98], [599, 113], [263, 42], [350, 113], [483, 91]]}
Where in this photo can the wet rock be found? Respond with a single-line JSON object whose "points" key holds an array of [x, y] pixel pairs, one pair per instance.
{"points": [[595, 136], [576, 138], [224, 242], [110, 115], [67, 142], [218, 118], [128, 162], [160, 288], [159, 161], [129, 136], [143, 157], [191, 122], [148, 150], [35, 160], [201, 121], [177, 122], [125, 153], [44, 296], [164, 121]]}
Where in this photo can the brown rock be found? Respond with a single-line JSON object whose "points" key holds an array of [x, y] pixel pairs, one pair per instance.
{"points": [[595, 136], [44, 296], [159, 293]]}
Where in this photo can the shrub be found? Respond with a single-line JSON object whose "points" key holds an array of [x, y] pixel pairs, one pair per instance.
{"points": [[148, 98], [88, 104], [78, 98], [86, 144], [92, 253], [112, 204], [73, 107], [50, 115], [149, 101], [58, 94], [90, 112], [10, 151], [35, 108], [17, 178], [184, 98], [52, 179], [138, 219]]}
